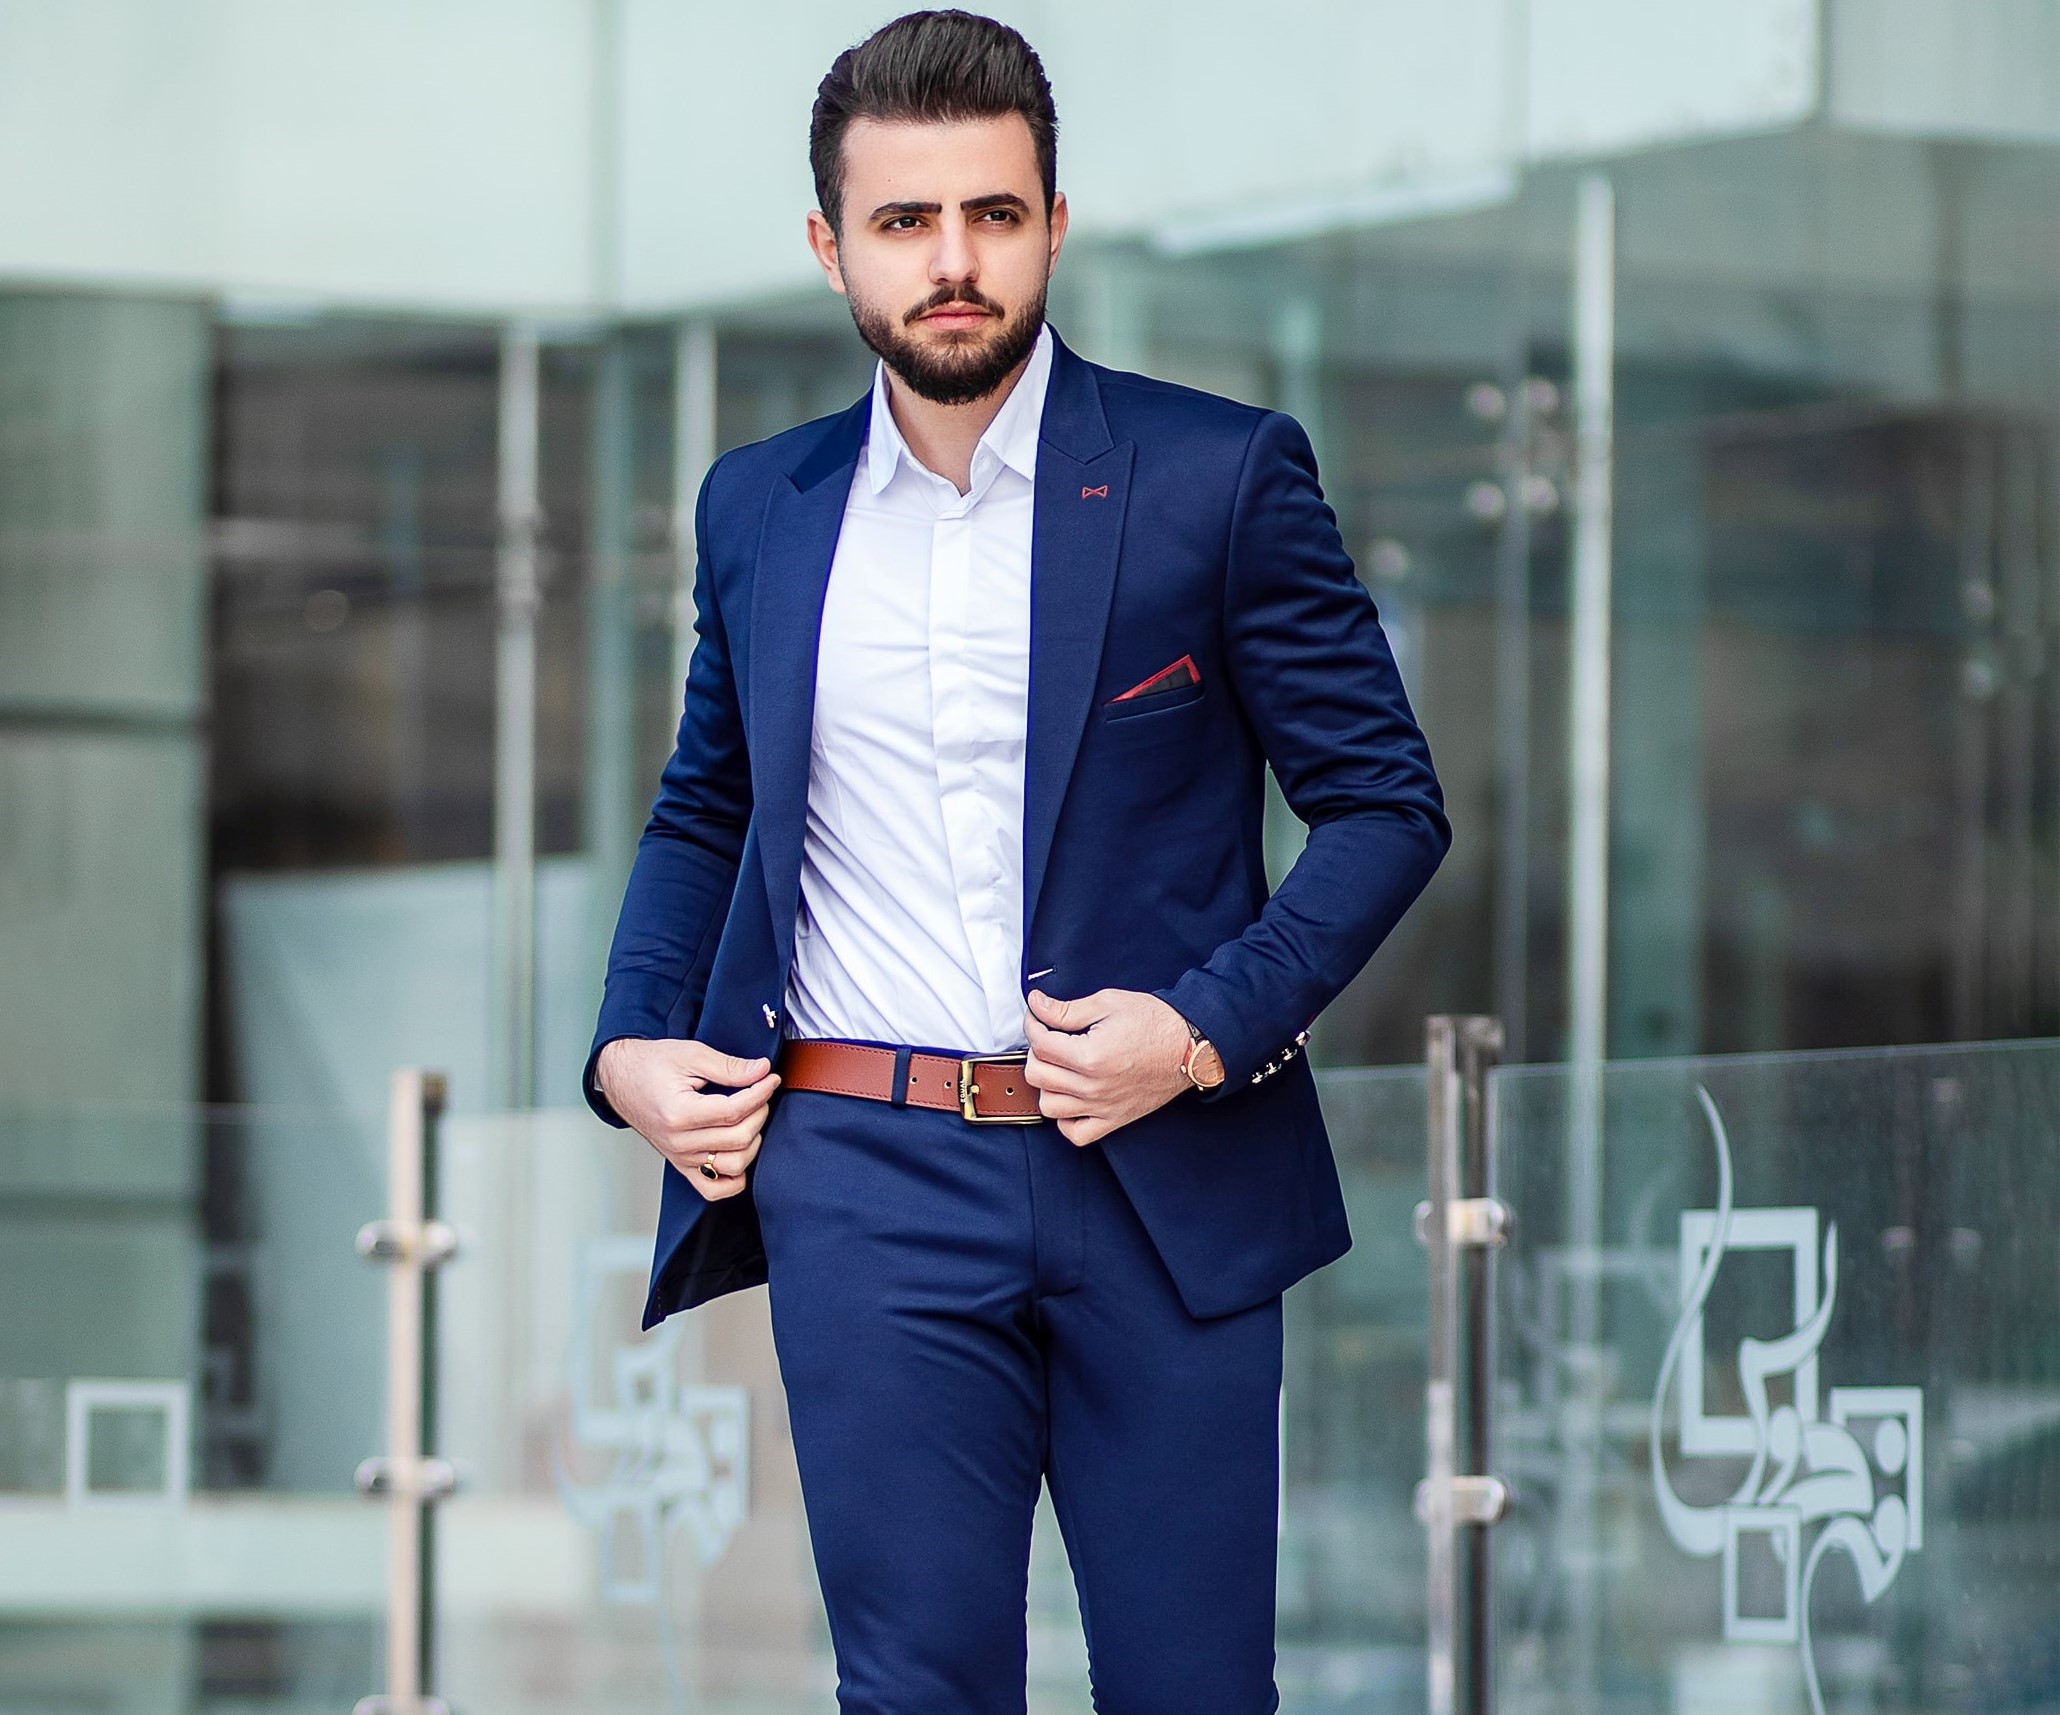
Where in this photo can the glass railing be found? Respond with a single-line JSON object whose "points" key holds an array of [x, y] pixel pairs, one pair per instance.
{"points": [[1778, 1396], [193, 1367], [1775, 1391], [1352, 1562], [628, 1534], [191, 1362]]}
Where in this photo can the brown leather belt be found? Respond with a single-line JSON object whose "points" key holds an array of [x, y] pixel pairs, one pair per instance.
{"points": [[988, 1089]]}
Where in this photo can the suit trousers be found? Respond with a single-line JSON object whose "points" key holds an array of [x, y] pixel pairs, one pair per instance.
{"points": [[961, 1313]]}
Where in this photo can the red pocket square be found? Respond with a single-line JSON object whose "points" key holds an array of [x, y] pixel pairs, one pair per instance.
{"points": [[1177, 677]]}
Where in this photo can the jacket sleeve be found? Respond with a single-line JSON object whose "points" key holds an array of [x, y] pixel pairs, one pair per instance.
{"points": [[686, 863], [1314, 674]]}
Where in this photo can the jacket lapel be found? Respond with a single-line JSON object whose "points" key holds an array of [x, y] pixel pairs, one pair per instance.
{"points": [[796, 546], [1082, 494]]}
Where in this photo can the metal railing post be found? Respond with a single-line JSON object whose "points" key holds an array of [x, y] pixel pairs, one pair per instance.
{"points": [[413, 1243], [1460, 1224]]}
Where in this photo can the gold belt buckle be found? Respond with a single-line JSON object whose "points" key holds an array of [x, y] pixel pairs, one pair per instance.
{"points": [[967, 1089]]}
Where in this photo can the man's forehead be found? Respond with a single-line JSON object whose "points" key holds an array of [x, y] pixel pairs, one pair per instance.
{"points": [[937, 160]]}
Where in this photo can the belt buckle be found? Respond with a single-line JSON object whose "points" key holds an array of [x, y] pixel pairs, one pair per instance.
{"points": [[967, 1089]]}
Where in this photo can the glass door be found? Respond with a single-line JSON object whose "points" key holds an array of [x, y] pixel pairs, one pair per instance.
{"points": [[1778, 1384]]}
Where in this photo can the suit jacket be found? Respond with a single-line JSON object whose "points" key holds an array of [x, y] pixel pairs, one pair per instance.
{"points": [[1168, 524]]}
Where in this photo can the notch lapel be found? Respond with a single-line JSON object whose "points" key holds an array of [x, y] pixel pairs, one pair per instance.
{"points": [[1076, 540], [796, 546]]}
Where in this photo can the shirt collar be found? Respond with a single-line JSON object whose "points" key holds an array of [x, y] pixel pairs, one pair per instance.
{"points": [[1011, 439]]}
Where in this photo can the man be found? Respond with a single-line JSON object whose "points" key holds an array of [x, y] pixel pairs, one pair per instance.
{"points": [[947, 982]]}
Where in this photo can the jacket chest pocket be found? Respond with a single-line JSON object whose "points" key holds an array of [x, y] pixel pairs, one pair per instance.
{"points": [[1151, 703]]}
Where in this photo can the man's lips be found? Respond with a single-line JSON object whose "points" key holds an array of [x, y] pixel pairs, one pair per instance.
{"points": [[958, 316]]}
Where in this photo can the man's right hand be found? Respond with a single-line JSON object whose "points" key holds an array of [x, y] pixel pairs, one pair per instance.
{"points": [[660, 1087]]}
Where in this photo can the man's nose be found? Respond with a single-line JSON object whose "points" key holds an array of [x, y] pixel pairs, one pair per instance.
{"points": [[954, 259]]}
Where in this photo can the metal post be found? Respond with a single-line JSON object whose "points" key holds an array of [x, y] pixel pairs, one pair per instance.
{"points": [[1588, 738], [693, 451], [1588, 897], [1460, 1224], [609, 800], [1514, 453], [517, 592], [413, 1243]]}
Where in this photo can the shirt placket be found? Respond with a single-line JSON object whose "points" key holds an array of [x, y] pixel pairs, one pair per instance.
{"points": [[959, 732]]}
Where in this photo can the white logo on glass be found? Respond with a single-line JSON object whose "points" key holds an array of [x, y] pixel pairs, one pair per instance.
{"points": [[1844, 1470], [677, 1452]]}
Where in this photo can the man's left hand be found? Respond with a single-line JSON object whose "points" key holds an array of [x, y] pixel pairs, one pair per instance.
{"points": [[1103, 1060]]}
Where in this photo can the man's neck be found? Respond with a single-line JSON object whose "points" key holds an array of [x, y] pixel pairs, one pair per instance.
{"points": [[944, 437]]}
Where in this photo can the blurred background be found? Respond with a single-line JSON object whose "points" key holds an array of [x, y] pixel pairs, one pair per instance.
{"points": [[358, 366]]}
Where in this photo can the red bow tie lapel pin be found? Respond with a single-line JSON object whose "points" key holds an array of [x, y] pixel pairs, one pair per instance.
{"points": [[1101, 493]]}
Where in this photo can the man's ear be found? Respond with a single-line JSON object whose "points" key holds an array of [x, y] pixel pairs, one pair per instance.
{"points": [[1061, 217], [822, 241]]}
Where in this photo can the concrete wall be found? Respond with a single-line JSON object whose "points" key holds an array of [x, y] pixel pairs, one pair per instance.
{"points": [[102, 687], [1948, 68], [551, 155], [561, 155], [419, 152], [1214, 121]]}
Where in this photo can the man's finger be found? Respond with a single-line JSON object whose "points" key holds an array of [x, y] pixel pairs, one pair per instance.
{"points": [[1069, 1014], [706, 1063], [751, 1099], [715, 1190], [1058, 1047], [1043, 1074], [700, 1110], [692, 1145], [731, 1162], [1055, 1106]]}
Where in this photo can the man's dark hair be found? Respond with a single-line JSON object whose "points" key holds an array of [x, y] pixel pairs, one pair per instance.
{"points": [[930, 67]]}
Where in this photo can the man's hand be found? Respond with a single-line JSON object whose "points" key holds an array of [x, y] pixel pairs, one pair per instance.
{"points": [[1103, 1060], [658, 1086]]}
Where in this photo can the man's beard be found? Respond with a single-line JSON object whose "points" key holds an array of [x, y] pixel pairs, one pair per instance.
{"points": [[966, 365]]}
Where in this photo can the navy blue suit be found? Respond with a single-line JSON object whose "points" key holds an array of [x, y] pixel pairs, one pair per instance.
{"points": [[1167, 524]]}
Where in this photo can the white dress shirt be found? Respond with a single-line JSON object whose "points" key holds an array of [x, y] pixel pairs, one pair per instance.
{"points": [[910, 927]]}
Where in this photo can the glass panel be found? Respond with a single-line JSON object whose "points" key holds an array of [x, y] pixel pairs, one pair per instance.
{"points": [[1838, 385], [1786, 1435], [1352, 1554], [628, 1534], [191, 1367]]}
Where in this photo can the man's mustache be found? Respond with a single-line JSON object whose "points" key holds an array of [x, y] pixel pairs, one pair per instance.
{"points": [[953, 297]]}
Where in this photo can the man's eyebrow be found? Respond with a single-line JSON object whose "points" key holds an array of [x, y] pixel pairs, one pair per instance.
{"points": [[972, 205]]}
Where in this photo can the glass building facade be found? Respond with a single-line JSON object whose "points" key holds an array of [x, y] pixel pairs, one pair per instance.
{"points": [[264, 591], [1836, 373]]}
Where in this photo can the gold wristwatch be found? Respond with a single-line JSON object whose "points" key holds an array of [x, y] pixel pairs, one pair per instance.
{"points": [[1201, 1063]]}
